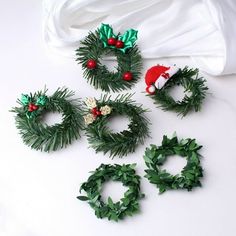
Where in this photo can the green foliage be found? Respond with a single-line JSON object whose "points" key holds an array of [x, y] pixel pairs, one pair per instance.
{"points": [[127, 206], [131, 61], [46, 138], [118, 144], [196, 86], [154, 158]]}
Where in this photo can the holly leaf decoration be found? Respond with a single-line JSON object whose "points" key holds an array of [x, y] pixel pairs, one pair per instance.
{"points": [[106, 32], [128, 38], [41, 100], [25, 99]]}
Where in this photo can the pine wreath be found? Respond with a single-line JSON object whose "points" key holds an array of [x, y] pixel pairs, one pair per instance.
{"points": [[127, 206], [160, 80], [105, 43], [41, 136], [154, 158], [101, 138]]}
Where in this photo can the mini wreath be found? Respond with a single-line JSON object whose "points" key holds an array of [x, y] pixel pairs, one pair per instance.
{"points": [[101, 138], [41, 136], [105, 43], [127, 206], [155, 157], [160, 79]]}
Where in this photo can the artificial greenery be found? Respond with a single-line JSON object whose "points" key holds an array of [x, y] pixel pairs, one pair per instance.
{"points": [[41, 136], [102, 139], [188, 78], [93, 47], [127, 206], [154, 158]]}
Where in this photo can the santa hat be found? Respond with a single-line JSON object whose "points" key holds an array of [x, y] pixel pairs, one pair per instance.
{"points": [[157, 76]]}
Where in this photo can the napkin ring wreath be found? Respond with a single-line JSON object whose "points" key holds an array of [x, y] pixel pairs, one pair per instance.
{"points": [[127, 206], [155, 157], [105, 43], [101, 138], [41, 136], [160, 79]]}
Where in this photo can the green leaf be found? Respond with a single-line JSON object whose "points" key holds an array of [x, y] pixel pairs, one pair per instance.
{"points": [[83, 198], [41, 100], [106, 32], [25, 99], [128, 38]]}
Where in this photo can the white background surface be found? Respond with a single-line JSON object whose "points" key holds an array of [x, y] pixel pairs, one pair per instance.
{"points": [[38, 190]]}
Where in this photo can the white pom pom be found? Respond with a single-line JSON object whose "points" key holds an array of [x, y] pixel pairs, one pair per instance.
{"points": [[151, 89]]}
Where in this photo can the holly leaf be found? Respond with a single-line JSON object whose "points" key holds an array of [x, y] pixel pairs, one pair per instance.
{"points": [[106, 32], [25, 99], [83, 198], [128, 38], [41, 100]]}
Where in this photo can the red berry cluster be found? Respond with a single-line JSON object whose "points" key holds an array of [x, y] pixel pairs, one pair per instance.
{"points": [[115, 42], [96, 112], [32, 107]]}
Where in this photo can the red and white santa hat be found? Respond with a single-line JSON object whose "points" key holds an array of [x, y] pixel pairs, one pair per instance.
{"points": [[157, 76]]}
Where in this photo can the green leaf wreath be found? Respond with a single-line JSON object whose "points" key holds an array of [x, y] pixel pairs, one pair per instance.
{"points": [[39, 135], [101, 138], [97, 45], [127, 206], [189, 177], [189, 79]]}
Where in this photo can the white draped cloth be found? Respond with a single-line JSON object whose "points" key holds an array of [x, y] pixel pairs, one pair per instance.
{"points": [[204, 30]]}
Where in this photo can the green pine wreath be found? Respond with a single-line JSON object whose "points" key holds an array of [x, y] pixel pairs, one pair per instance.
{"points": [[127, 206], [155, 157], [101, 138], [105, 43], [189, 79], [41, 136]]}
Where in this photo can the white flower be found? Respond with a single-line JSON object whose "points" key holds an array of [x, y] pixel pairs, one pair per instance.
{"points": [[91, 103], [106, 110], [89, 119]]}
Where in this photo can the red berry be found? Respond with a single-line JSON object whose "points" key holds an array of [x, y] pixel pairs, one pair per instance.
{"points": [[30, 107], [35, 107], [91, 64], [111, 41], [98, 113], [127, 76], [94, 111], [119, 44]]}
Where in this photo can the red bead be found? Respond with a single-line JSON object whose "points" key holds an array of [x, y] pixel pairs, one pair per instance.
{"points": [[98, 113], [119, 44], [91, 64], [94, 111], [112, 41], [32, 107], [35, 107], [128, 76]]}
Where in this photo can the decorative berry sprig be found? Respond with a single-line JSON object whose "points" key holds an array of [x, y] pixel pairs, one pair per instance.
{"points": [[120, 42], [32, 108], [95, 111]]}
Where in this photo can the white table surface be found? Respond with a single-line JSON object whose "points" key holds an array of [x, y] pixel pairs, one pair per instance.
{"points": [[38, 190]]}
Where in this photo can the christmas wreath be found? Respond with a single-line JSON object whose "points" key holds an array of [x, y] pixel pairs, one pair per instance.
{"points": [[101, 138], [41, 136], [160, 79], [105, 43], [154, 158], [127, 206]]}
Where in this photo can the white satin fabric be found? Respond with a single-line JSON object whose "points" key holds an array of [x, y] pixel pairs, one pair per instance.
{"points": [[202, 29]]}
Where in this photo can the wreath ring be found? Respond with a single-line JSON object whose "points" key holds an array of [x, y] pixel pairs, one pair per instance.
{"points": [[128, 205], [155, 157], [101, 138], [105, 43], [41, 136], [188, 78]]}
